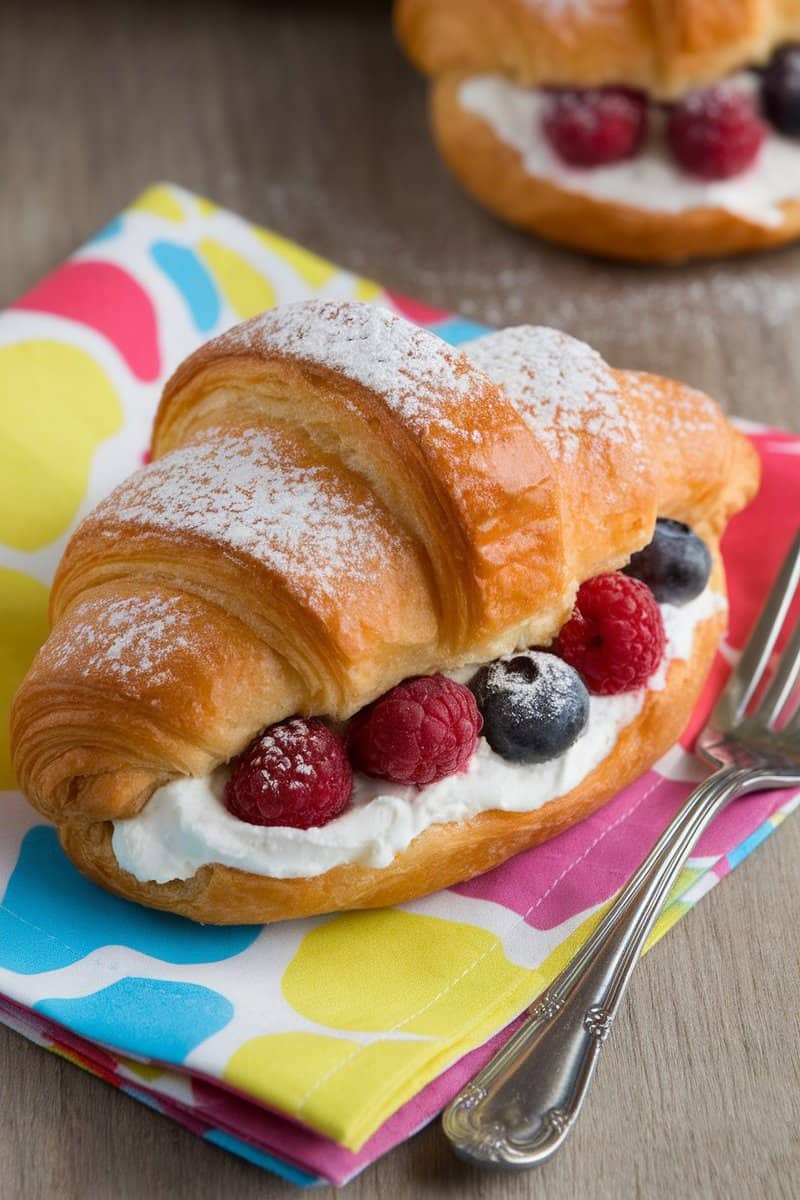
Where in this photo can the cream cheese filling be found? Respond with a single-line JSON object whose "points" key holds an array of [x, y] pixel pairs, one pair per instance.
{"points": [[650, 181], [185, 824]]}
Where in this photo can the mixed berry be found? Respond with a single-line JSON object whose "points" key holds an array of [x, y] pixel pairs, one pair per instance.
{"points": [[780, 91], [615, 637], [675, 565], [711, 134], [717, 133], [419, 732], [295, 773], [534, 706], [530, 707], [598, 126]]}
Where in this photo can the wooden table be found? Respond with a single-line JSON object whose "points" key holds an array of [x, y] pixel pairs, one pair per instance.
{"points": [[306, 118]]}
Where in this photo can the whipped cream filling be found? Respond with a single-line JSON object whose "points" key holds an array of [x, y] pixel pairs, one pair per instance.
{"points": [[185, 824], [651, 180]]}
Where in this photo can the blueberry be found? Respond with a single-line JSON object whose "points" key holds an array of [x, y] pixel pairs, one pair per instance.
{"points": [[676, 564], [534, 706], [780, 90]]}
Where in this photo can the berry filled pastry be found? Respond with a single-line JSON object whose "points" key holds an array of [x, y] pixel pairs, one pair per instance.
{"points": [[652, 130], [378, 615]]}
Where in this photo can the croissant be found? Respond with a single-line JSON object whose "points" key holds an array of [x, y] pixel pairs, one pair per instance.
{"points": [[338, 501], [492, 61]]}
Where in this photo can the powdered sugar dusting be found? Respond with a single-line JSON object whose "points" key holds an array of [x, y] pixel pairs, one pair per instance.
{"points": [[684, 407], [283, 752], [131, 637], [562, 387], [554, 691], [264, 494], [429, 386]]}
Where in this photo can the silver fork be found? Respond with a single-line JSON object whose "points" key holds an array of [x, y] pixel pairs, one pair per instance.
{"points": [[521, 1107]]}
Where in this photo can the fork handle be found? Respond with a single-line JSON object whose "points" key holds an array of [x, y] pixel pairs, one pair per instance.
{"points": [[520, 1108]]}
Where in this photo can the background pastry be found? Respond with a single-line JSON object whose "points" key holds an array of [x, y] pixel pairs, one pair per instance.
{"points": [[630, 128]]}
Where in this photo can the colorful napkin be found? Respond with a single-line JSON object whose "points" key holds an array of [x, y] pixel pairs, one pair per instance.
{"points": [[313, 1046]]}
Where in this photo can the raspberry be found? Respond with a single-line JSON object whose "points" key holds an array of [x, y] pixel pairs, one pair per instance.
{"points": [[615, 637], [601, 125], [717, 133], [294, 773], [420, 731]]}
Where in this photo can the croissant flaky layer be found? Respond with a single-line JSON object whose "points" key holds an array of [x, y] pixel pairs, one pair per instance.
{"points": [[337, 501], [666, 47]]}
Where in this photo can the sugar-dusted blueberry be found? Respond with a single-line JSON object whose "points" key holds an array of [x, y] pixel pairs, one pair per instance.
{"points": [[534, 706], [676, 565], [780, 90]]}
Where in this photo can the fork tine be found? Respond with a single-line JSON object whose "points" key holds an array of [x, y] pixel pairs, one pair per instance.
{"points": [[755, 656], [782, 683]]}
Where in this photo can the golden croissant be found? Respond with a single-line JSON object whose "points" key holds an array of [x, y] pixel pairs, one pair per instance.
{"points": [[339, 503]]}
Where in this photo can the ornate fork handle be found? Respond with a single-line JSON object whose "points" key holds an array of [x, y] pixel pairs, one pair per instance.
{"points": [[521, 1107]]}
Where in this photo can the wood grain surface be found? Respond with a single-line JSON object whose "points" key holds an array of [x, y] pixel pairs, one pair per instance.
{"points": [[304, 116]]}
